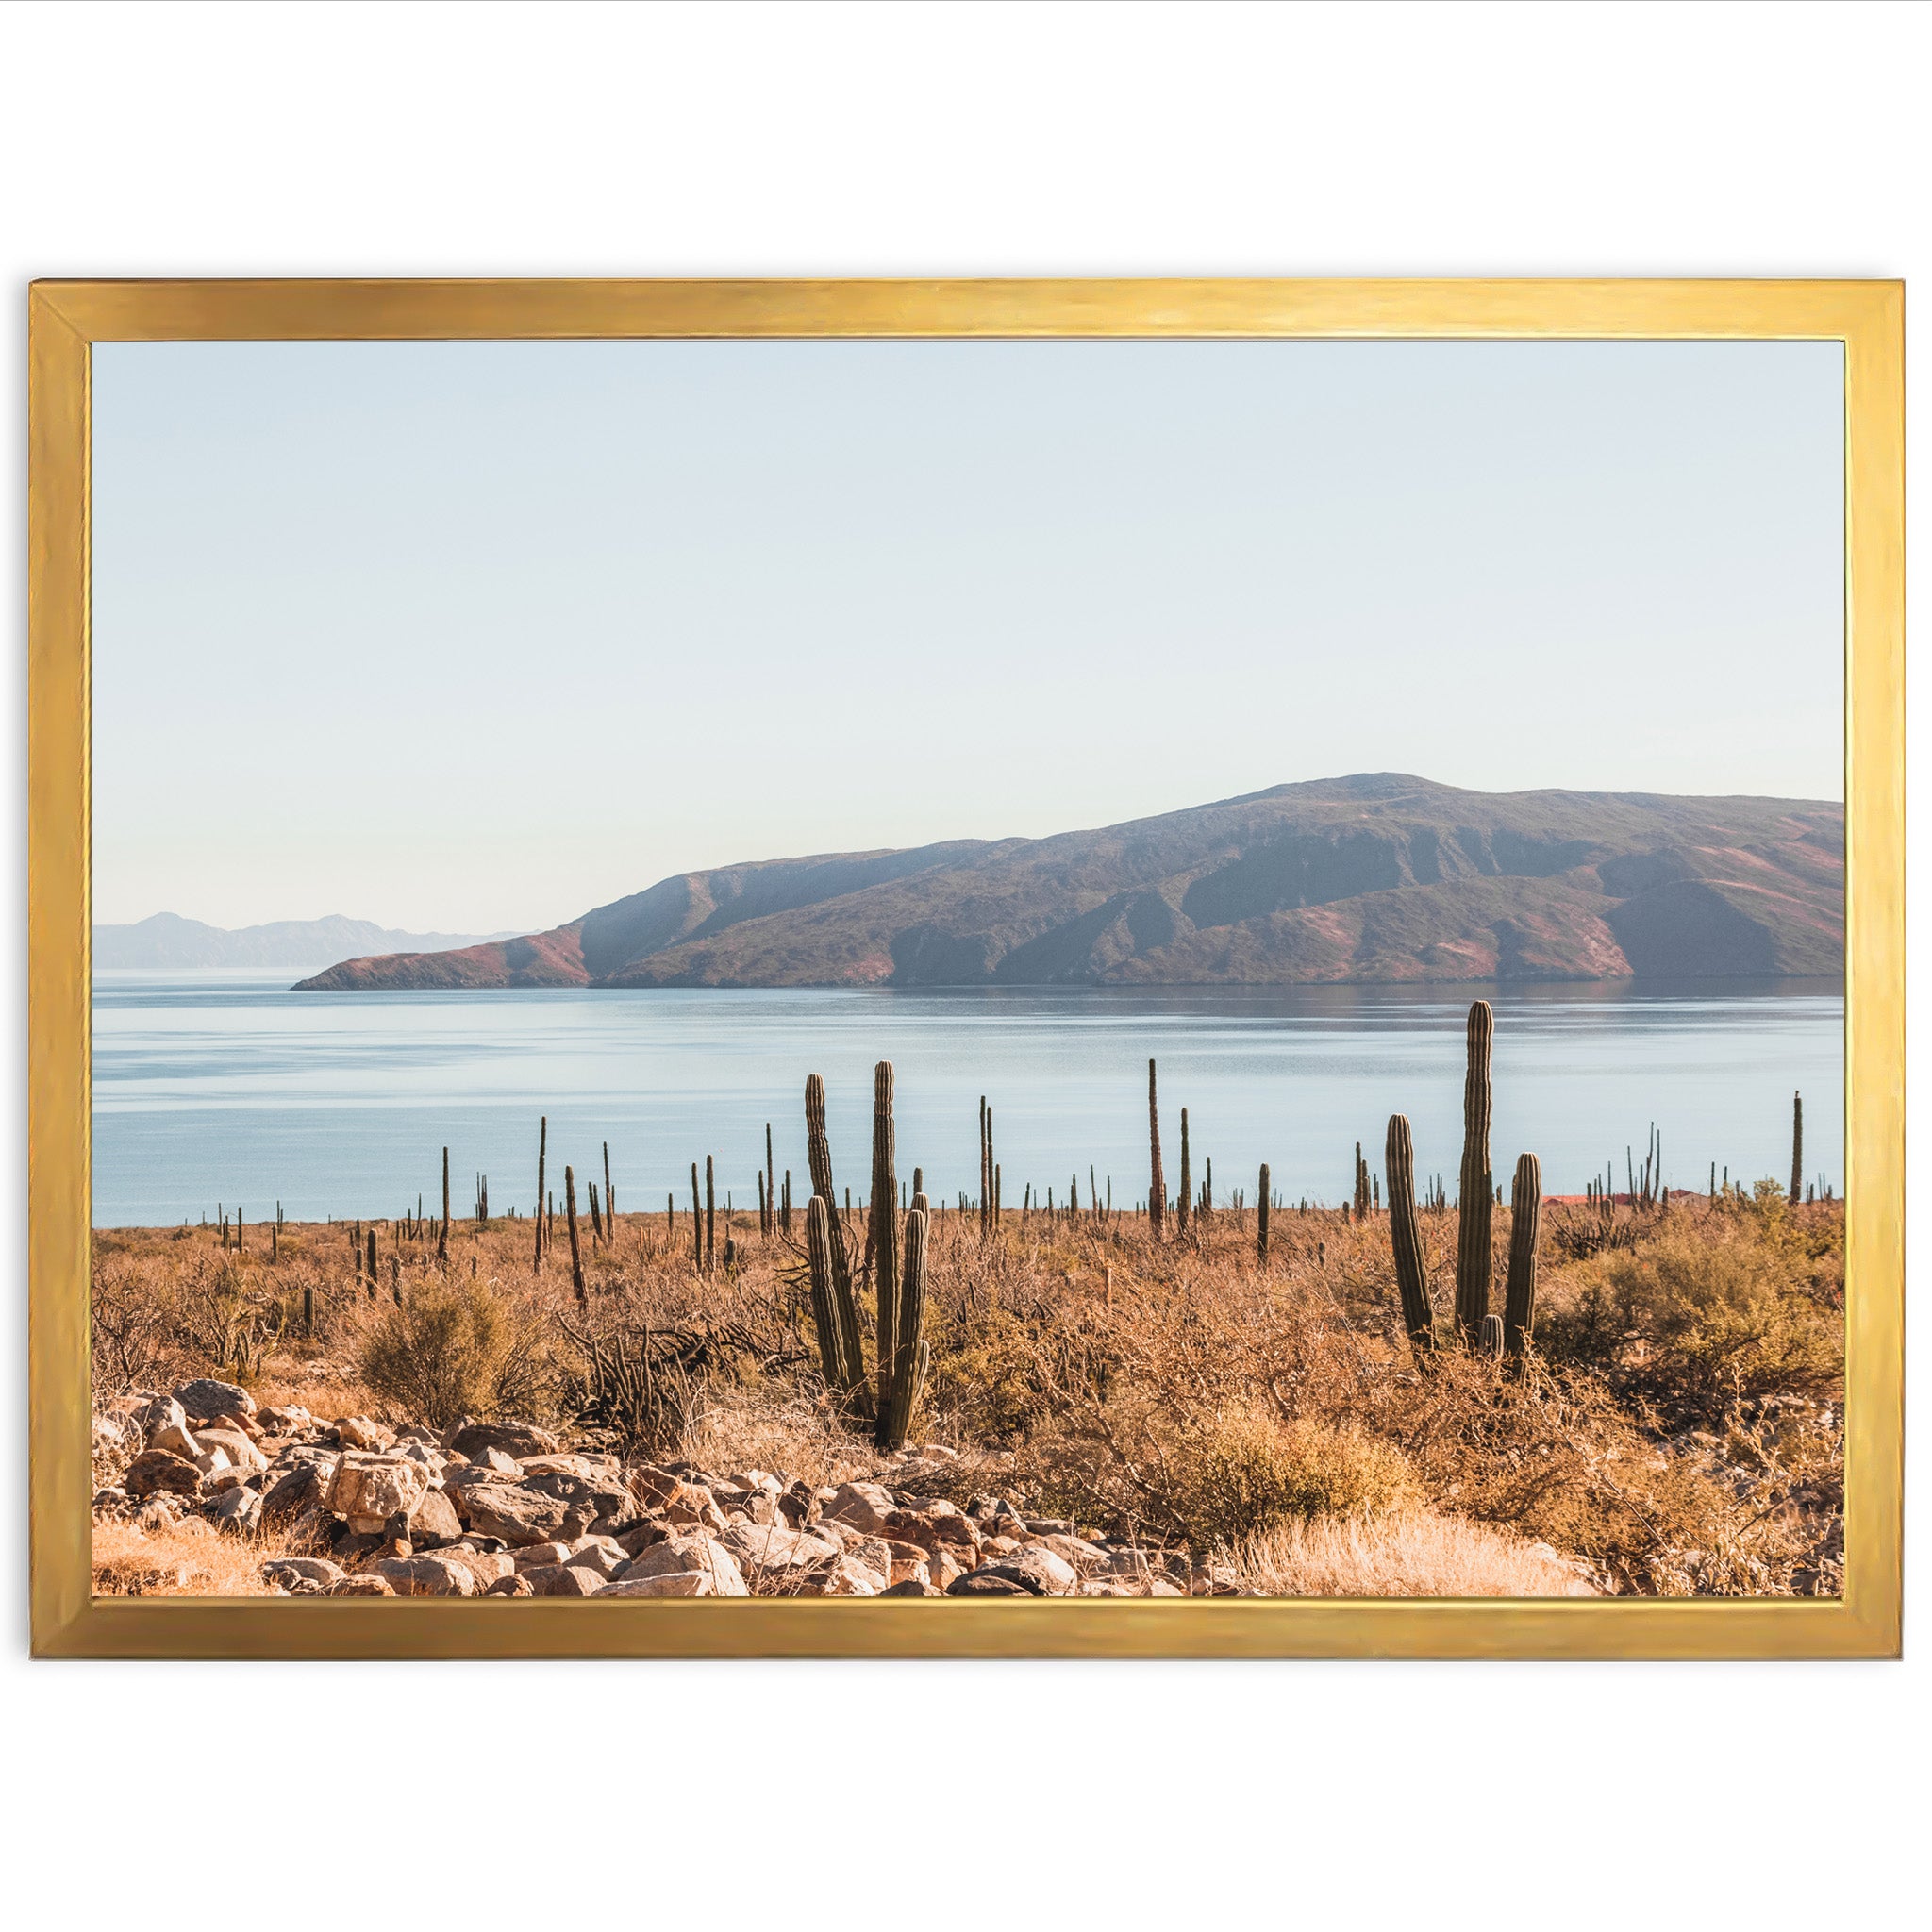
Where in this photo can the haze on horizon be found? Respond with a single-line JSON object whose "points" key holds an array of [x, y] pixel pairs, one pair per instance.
{"points": [[475, 636]]}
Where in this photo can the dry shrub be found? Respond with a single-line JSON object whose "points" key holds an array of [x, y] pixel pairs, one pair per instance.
{"points": [[1410, 1552], [1743, 1305], [189, 1558], [453, 1348], [1232, 1476]]}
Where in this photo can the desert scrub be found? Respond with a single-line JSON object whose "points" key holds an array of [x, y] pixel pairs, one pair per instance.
{"points": [[450, 1349], [1231, 1477], [1740, 1306]]}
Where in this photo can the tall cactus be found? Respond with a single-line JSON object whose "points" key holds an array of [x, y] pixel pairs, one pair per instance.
{"points": [[1478, 1199], [1525, 1212], [542, 1147], [818, 1149], [1797, 1147], [576, 1260], [442, 1232], [1399, 1159], [844, 1367], [1261, 1221], [1157, 1185], [1181, 1200], [911, 1355], [883, 1238]]}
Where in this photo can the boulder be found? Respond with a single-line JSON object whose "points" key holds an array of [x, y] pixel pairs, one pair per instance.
{"points": [[639, 1536], [799, 1506], [514, 1439], [602, 1558], [361, 1586], [367, 1489], [292, 1493], [175, 1439], [510, 1586], [202, 1401], [237, 1510], [518, 1514], [768, 1552], [240, 1450], [317, 1573], [285, 1419], [534, 1554], [432, 1576], [359, 1432], [155, 1413], [913, 1586], [867, 1506], [563, 1579], [843, 1576], [597, 1468], [487, 1566], [678, 1554], [433, 1517], [990, 1582], [590, 1499], [666, 1583], [1085, 1560], [158, 1469], [1044, 1573]]}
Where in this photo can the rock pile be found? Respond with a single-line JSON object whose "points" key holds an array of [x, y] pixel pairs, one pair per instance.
{"points": [[502, 1509]]}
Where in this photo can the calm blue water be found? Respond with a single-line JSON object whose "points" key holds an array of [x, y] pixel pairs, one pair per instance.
{"points": [[223, 1087]]}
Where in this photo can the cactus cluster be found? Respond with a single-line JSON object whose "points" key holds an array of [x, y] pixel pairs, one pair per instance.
{"points": [[1475, 1325], [896, 1255]]}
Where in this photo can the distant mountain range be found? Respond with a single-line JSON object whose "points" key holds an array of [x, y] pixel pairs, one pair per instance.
{"points": [[298, 945], [1373, 878]]}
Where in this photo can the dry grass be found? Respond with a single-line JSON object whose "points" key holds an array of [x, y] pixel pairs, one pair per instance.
{"points": [[1177, 1390], [1416, 1553], [191, 1558]]}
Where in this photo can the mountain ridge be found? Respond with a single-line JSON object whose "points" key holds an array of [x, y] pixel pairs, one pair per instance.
{"points": [[1375, 877], [168, 939]]}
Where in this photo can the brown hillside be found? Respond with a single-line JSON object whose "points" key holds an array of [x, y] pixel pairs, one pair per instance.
{"points": [[1366, 879]]}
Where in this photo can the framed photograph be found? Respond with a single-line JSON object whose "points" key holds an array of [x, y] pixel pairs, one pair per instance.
{"points": [[966, 968]]}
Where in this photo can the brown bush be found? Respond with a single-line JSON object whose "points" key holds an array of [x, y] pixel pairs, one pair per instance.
{"points": [[450, 1349]]}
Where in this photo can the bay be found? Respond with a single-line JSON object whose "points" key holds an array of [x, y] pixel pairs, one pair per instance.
{"points": [[227, 1088]]}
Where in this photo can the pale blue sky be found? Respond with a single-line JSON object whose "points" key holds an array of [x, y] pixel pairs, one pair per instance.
{"points": [[479, 636]]}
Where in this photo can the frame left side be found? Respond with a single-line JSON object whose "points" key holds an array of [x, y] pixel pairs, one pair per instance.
{"points": [[59, 1075]]}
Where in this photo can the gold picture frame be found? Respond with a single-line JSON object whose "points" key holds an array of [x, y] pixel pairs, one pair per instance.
{"points": [[66, 318]]}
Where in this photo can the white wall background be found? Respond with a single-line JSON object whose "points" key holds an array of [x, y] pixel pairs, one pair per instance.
{"points": [[607, 141]]}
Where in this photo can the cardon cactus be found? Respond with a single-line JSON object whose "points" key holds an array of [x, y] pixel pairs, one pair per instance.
{"points": [[844, 1367], [1489, 1341], [883, 1236], [1157, 1185], [442, 1232], [911, 1356], [1478, 1199], [1261, 1220], [576, 1260], [1797, 1147], [1182, 1201], [1399, 1159], [844, 1310], [1526, 1211], [542, 1147]]}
